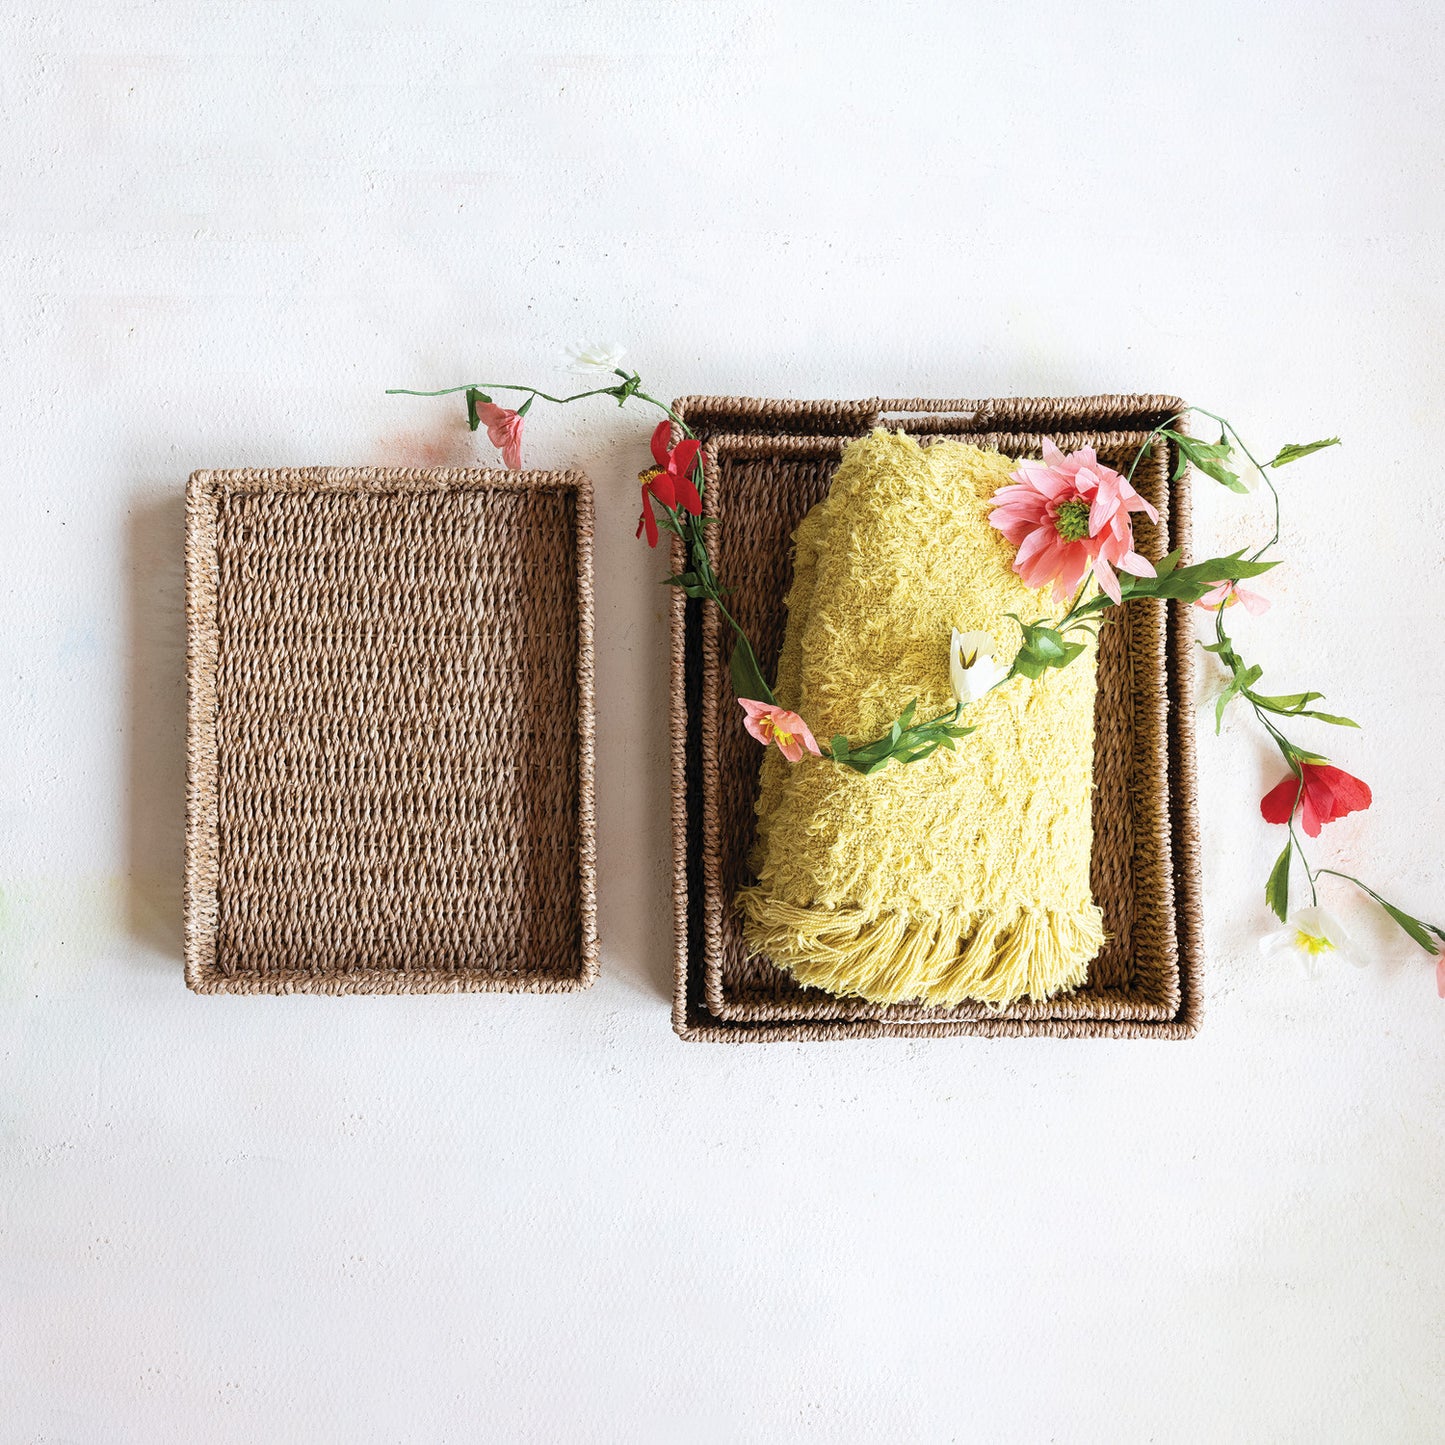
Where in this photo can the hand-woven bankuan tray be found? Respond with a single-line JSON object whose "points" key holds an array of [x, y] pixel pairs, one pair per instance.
{"points": [[390, 731], [766, 463]]}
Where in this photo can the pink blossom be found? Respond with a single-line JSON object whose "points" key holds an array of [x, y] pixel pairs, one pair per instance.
{"points": [[1440, 971], [1226, 594], [769, 723], [504, 430], [1067, 514]]}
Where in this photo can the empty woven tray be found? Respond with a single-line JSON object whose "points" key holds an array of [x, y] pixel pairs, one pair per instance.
{"points": [[769, 461], [390, 731]]}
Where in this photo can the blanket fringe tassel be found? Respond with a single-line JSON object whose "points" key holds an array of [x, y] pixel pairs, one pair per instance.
{"points": [[939, 958]]}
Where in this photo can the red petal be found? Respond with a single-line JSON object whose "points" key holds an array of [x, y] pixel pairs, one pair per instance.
{"points": [[1312, 815], [659, 443], [687, 495], [647, 520], [663, 487], [1350, 794], [1277, 805], [683, 456], [1319, 795]]}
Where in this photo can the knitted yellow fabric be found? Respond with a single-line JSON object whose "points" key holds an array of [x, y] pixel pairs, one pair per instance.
{"points": [[965, 875]]}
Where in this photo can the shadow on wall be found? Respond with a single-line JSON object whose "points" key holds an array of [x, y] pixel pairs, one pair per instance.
{"points": [[155, 804]]}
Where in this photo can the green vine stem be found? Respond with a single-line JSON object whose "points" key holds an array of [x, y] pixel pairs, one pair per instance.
{"points": [[698, 580], [1045, 644]]}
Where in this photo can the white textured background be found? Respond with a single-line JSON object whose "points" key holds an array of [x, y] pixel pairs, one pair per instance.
{"points": [[224, 230]]}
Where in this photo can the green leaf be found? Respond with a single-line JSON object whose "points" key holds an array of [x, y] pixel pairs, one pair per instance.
{"points": [[1329, 717], [906, 741], [1209, 457], [747, 676], [1290, 702], [473, 397], [1294, 452], [1043, 647], [1412, 926], [1242, 681], [1220, 703], [1184, 584], [1168, 562], [1276, 891]]}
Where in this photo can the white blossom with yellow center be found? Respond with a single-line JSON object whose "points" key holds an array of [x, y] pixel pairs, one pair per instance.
{"points": [[1315, 937]]}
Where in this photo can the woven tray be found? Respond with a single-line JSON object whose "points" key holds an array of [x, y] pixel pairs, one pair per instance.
{"points": [[767, 462], [390, 731]]}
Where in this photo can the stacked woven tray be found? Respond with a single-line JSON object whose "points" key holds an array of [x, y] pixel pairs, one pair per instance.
{"points": [[766, 463], [390, 731]]}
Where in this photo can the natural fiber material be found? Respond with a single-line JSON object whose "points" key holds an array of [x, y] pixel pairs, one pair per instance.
{"points": [[767, 463], [963, 876], [390, 745]]}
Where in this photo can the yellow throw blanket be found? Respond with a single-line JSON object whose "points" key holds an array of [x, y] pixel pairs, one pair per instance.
{"points": [[962, 876]]}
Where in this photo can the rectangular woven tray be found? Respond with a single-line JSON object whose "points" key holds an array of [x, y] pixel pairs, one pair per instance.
{"points": [[390, 766], [767, 462]]}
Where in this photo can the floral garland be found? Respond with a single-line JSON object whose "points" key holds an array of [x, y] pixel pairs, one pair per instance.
{"points": [[1069, 517]]}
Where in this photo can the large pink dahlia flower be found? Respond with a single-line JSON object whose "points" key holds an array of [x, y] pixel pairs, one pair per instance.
{"points": [[1067, 514]]}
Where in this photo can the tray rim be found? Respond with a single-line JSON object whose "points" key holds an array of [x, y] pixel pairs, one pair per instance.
{"points": [[692, 1019], [1119, 1004], [200, 905]]}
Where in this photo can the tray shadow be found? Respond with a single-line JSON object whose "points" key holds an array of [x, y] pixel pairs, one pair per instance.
{"points": [[155, 713]]}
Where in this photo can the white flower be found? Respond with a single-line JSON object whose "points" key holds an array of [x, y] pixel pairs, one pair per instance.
{"points": [[971, 665], [1313, 936], [1246, 470], [595, 356]]}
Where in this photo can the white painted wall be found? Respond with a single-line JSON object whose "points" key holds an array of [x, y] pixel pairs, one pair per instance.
{"points": [[224, 230]]}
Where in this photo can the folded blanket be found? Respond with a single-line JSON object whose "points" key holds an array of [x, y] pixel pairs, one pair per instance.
{"points": [[964, 875]]}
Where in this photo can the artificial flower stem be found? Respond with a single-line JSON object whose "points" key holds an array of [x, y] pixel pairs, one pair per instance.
{"points": [[1436, 929], [1149, 442], [1274, 491], [503, 386]]}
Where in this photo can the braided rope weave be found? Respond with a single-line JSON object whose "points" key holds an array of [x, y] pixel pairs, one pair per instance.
{"points": [[768, 462], [390, 747]]}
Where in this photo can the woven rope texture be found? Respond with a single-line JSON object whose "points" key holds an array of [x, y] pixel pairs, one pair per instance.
{"points": [[390, 750], [768, 462]]}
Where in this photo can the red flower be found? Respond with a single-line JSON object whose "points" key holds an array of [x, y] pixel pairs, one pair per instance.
{"points": [[670, 481], [1327, 793]]}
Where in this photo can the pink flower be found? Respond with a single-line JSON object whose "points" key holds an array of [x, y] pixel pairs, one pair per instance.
{"points": [[1067, 514], [1226, 594], [1440, 971], [769, 723], [504, 430]]}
